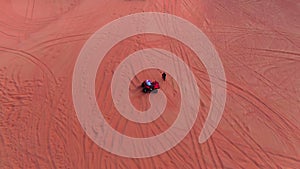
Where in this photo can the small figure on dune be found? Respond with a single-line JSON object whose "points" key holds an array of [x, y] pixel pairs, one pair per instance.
{"points": [[164, 75]]}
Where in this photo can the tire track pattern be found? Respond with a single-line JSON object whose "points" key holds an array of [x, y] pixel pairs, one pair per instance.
{"points": [[260, 126]]}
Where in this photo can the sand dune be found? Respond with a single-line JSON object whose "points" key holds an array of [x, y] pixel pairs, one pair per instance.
{"points": [[257, 42]]}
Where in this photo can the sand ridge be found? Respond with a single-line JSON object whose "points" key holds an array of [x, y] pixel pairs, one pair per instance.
{"points": [[258, 43]]}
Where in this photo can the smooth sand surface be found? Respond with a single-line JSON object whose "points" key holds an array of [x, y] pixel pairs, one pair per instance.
{"points": [[257, 41]]}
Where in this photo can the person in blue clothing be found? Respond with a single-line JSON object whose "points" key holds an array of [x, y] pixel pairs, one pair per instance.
{"points": [[148, 82]]}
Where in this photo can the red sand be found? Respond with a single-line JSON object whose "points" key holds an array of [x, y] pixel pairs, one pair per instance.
{"points": [[258, 43]]}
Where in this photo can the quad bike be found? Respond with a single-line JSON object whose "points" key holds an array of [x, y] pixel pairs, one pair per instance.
{"points": [[149, 86]]}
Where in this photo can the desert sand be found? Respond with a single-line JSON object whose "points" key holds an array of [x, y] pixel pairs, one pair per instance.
{"points": [[258, 43]]}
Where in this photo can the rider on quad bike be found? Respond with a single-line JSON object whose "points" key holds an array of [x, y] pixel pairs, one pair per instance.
{"points": [[149, 86]]}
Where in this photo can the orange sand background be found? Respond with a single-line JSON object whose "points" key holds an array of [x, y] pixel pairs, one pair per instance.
{"points": [[258, 43]]}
